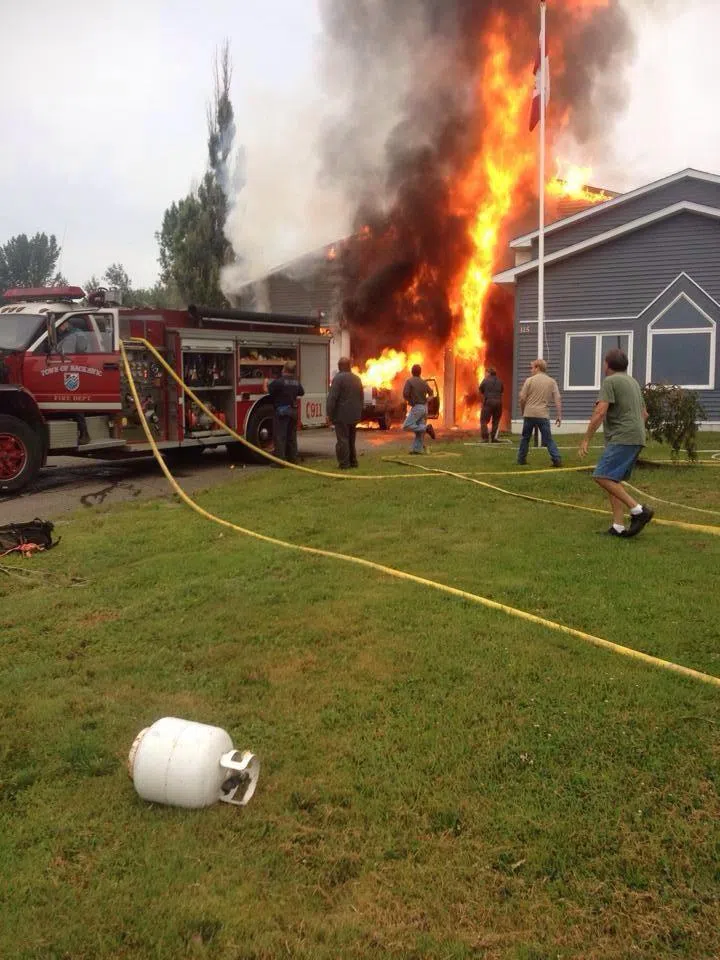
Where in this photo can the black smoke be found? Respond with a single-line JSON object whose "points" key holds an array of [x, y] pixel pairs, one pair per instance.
{"points": [[408, 124]]}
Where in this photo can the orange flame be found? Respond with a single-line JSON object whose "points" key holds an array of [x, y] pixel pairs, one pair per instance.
{"points": [[384, 370], [571, 182], [503, 171], [507, 157]]}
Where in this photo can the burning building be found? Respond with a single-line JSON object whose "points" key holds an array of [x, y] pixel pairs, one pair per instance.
{"points": [[456, 178]]}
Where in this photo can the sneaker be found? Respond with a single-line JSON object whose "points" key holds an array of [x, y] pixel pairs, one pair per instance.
{"points": [[495, 440], [430, 431], [522, 463], [557, 463], [640, 521], [612, 532]]}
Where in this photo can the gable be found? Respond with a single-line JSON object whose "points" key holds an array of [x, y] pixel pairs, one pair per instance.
{"points": [[682, 314]]}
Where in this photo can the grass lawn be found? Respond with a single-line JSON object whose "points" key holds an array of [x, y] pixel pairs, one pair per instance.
{"points": [[439, 780]]}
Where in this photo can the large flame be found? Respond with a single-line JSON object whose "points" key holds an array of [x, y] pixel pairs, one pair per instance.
{"points": [[383, 370], [489, 189], [503, 172], [571, 182]]}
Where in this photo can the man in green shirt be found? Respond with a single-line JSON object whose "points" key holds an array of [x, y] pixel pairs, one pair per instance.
{"points": [[622, 407]]}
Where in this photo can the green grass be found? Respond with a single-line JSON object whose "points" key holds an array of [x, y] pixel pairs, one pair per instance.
{"points": [[439, 780]]}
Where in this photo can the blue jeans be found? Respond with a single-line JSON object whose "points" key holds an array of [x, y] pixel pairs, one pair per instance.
{"points": [[543, 425], [416, 421]]}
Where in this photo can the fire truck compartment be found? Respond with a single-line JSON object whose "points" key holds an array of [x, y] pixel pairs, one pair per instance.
{"points": [[208, 369], [63, 434]]}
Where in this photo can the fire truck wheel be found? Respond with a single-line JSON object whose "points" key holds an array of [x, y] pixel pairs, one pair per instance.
{"points": [[260, 431], [20, 455]]}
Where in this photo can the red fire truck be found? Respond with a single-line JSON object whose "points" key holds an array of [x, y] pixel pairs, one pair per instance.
{"points": [[63, 390]]}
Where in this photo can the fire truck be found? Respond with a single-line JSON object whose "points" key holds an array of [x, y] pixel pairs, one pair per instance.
{"points": [[63, 389]]}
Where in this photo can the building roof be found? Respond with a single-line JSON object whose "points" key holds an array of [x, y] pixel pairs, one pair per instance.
{"points": [[685, 206], [525, 241]]}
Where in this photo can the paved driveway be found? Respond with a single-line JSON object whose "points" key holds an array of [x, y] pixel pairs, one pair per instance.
{"points": [[69, 483]]}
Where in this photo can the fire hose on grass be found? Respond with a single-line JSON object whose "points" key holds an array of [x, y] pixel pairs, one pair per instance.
{"points": [[391, 571], [692, 527]]}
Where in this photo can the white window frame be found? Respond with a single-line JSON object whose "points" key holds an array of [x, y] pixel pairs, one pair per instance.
{"points": [[598, 356], [710, 331]]}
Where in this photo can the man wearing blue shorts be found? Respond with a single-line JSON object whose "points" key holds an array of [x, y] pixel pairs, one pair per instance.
{"points": [[622, 407]]}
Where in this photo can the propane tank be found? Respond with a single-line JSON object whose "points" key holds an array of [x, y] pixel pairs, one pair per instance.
{"points": [[186, 764]]}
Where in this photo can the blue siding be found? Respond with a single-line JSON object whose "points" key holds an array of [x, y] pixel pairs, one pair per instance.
{"points": [[622, 276], [682, 315], [695, 191], [624, 281]]}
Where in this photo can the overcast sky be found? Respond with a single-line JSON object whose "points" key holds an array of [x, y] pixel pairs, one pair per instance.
{"points": [[103, 109]]}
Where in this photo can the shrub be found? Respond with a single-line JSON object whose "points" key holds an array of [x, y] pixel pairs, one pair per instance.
{"points": [[673, 417]]}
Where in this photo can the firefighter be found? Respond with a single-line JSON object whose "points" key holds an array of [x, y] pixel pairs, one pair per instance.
{"points": [[491, 394], [284, 393]]}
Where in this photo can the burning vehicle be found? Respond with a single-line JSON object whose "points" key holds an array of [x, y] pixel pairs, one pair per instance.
{"points": [[386, 406], [383, 406]]}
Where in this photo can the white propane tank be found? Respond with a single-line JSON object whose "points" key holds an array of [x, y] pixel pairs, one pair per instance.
{"points": [[186, 764]]}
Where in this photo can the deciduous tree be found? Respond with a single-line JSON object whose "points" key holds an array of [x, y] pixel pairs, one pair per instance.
{"points": [[30, 262], [193, 246]]}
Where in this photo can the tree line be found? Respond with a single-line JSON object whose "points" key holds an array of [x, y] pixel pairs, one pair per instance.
{"points": [[192, 243]]}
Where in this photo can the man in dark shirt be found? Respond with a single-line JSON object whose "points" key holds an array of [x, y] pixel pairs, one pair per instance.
{"points": [[416, 393], [491, 393], [344, 409], [284, 393]]}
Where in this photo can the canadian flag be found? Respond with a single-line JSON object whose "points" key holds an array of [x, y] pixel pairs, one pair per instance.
{"points": [[536, 100]]}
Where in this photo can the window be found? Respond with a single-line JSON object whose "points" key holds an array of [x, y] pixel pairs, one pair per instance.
{"points": [[82, 333], [681, 346], [584, 355]]}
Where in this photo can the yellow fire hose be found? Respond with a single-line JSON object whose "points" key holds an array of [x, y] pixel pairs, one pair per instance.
{"points": [[335, 475], [693, 527], [672, 503], [391, 571]]}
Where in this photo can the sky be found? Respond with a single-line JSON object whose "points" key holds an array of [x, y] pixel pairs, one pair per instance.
{"points": [[102, 104]]}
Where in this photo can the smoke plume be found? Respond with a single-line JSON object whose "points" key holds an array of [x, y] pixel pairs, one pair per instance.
{"points": [[422, 59], [378, 157]]}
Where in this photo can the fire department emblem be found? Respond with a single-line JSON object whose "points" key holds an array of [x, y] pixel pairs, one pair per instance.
{"points": [[72, 381]]}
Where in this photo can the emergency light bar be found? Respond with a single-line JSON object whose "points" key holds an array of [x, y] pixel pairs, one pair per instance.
{"points": [[33, 294]]}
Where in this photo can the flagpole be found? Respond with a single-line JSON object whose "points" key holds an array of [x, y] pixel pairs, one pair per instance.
{"points": [[541, 187]]}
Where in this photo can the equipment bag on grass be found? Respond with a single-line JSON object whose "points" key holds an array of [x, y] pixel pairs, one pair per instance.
{"points": [[19, 537]]}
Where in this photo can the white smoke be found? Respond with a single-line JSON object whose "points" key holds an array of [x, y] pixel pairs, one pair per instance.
{"points": [[290, 199], [281, 210]]}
